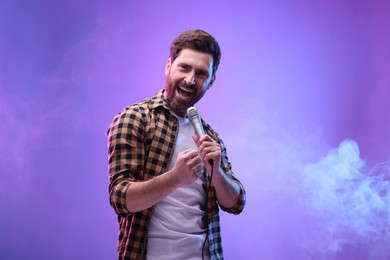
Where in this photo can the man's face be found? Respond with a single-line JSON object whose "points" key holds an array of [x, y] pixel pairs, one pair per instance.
{"points": [[188, 78]]}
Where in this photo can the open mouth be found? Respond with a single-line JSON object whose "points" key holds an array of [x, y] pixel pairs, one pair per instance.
{"points": [[185, 92]]}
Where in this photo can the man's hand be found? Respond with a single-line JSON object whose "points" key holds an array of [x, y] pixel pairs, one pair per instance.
{"points": [[188, 167], [210, 151], [227, 189]]}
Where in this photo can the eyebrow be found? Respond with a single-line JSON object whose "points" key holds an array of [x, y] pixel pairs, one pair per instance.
{"points": [[199, 70]]}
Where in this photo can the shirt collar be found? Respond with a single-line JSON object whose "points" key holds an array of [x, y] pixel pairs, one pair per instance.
{"points": [[159, 100]]}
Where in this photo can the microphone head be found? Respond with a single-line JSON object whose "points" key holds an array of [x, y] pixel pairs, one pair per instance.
{"points": [[191, 112], [196, 121]]}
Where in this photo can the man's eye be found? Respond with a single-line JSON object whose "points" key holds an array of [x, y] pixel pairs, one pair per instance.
{"points": [[183, 67], [202, 74]]}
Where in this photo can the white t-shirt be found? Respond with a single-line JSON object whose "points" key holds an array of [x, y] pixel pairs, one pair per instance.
{"points": [[178, 228]]}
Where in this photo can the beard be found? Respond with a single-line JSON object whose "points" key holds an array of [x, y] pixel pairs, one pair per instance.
{"points": [[177, 105], [180, 95]]}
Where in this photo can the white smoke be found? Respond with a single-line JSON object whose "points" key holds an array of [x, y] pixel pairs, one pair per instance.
{"points": [[349, 201], [307, 204]]}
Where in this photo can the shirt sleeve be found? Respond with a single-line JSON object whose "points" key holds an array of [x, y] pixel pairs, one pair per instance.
{"points": [[125, 156], [227, 167]]}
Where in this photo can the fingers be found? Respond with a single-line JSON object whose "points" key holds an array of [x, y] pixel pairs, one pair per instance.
{"points": [[209, 150], [196, 164], [189, 153], [202, 139], [188, 167], [196, 139], [193, 160], [197, 169]]}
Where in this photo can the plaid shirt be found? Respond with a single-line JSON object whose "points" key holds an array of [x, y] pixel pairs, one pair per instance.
{"points": [[141, 140]]}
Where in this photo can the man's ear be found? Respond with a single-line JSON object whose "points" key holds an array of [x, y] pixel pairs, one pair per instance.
{"points": [[212, 82], [168, 66]]}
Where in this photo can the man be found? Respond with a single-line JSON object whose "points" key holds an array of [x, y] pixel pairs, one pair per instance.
{"points": [[166, 184]]}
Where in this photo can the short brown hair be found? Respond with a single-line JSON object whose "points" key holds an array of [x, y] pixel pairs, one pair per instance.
{"points": [[198, 40]]}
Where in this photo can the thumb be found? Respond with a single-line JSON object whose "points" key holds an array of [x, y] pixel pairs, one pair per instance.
{"points": [[196, 139]]}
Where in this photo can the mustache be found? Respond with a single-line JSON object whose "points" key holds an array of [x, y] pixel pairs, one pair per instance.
{"points": [[184, 84]]}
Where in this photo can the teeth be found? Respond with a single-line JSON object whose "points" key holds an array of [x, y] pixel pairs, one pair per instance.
{"points": [[185, 90]]}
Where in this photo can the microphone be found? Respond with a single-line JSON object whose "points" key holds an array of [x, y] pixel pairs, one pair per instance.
{"points": [[196, 123], [195, 120]]}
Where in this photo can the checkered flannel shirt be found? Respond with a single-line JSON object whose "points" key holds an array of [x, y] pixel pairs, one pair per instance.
{"points": [[141, 140]]}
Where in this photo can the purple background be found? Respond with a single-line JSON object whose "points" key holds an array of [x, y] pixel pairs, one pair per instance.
{"points": [[301, 101]]}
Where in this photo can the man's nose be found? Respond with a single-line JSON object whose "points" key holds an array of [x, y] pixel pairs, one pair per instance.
{"points": [[190, 79]]}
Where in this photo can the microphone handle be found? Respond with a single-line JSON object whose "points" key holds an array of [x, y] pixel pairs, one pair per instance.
{"points": [[196, 122]]}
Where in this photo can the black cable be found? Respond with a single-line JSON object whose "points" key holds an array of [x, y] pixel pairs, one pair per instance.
{"points": [[207, 192]]}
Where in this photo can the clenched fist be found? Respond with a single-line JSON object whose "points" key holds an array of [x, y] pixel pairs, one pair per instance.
{"points": [[188, 167]]}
